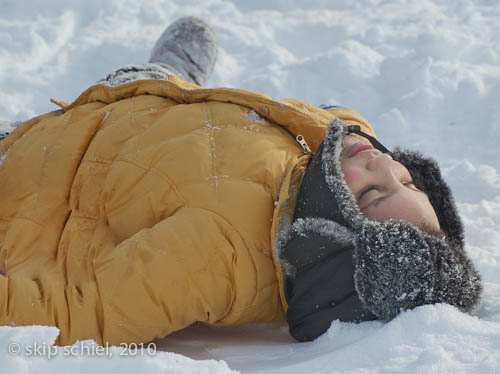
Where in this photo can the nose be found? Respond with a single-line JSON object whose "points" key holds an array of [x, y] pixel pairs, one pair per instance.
{"points": [[384, 168], [379, 161]]}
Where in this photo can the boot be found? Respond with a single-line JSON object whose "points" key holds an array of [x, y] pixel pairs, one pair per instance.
{"points": [[189, 47]]}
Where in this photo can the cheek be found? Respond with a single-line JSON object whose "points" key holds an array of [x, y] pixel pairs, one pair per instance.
{"points": [[353, 177]]}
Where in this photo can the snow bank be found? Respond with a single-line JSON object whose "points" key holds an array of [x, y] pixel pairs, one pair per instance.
{"points": [[430, 339]]}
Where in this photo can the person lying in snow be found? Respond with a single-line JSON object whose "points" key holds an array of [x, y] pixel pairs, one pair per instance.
{"points": [[151, 203]]}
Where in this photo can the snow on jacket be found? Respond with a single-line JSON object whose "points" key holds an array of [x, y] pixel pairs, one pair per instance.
{"points": [[140, 209]]}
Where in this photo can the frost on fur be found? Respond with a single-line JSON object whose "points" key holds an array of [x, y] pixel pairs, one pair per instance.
{"points": [[399, 267], [323, 227], [131, 73]]}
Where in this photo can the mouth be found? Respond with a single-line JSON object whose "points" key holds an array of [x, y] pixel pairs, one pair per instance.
{"points": [[358, 147]]}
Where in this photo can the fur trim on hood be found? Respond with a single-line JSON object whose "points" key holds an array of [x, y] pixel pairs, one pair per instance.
{"points": [[348, 267]]}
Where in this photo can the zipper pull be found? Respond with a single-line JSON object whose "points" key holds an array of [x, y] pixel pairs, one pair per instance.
{"points": [[305, 148]]}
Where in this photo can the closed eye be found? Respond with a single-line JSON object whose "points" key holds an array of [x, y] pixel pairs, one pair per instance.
{"points": [[412, 186], [366, 190], [409, 184]]}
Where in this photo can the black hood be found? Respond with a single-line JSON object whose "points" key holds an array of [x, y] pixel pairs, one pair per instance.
{"points": [[342, 265]]}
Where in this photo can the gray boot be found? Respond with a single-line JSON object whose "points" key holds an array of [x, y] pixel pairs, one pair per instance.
{"points": [[186, 49], [189, 47]]}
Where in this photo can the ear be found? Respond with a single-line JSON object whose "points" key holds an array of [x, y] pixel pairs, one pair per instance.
{"points": [[399, 267], [427, 177]]}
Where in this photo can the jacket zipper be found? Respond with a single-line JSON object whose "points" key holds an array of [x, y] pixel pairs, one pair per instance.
{"points": [[302, 141]]}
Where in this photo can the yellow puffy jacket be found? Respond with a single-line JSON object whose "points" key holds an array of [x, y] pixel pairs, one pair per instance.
{"points": [[140, 209]]}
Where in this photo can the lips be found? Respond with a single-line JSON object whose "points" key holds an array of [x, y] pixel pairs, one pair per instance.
{"points": [[358, 147]]}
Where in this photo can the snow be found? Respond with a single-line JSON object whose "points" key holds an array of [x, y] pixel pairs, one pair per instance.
{"points": [[4, 156], [29, 349], [255, 117], [426, 74]]}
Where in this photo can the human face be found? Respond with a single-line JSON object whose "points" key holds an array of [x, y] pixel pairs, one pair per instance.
{"points": [[383, 187]]}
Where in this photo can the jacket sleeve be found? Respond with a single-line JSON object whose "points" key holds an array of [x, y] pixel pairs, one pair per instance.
{"points": [[167, 277]]}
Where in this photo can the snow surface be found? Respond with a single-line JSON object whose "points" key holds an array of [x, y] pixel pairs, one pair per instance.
{"points": [[425, 73]]}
